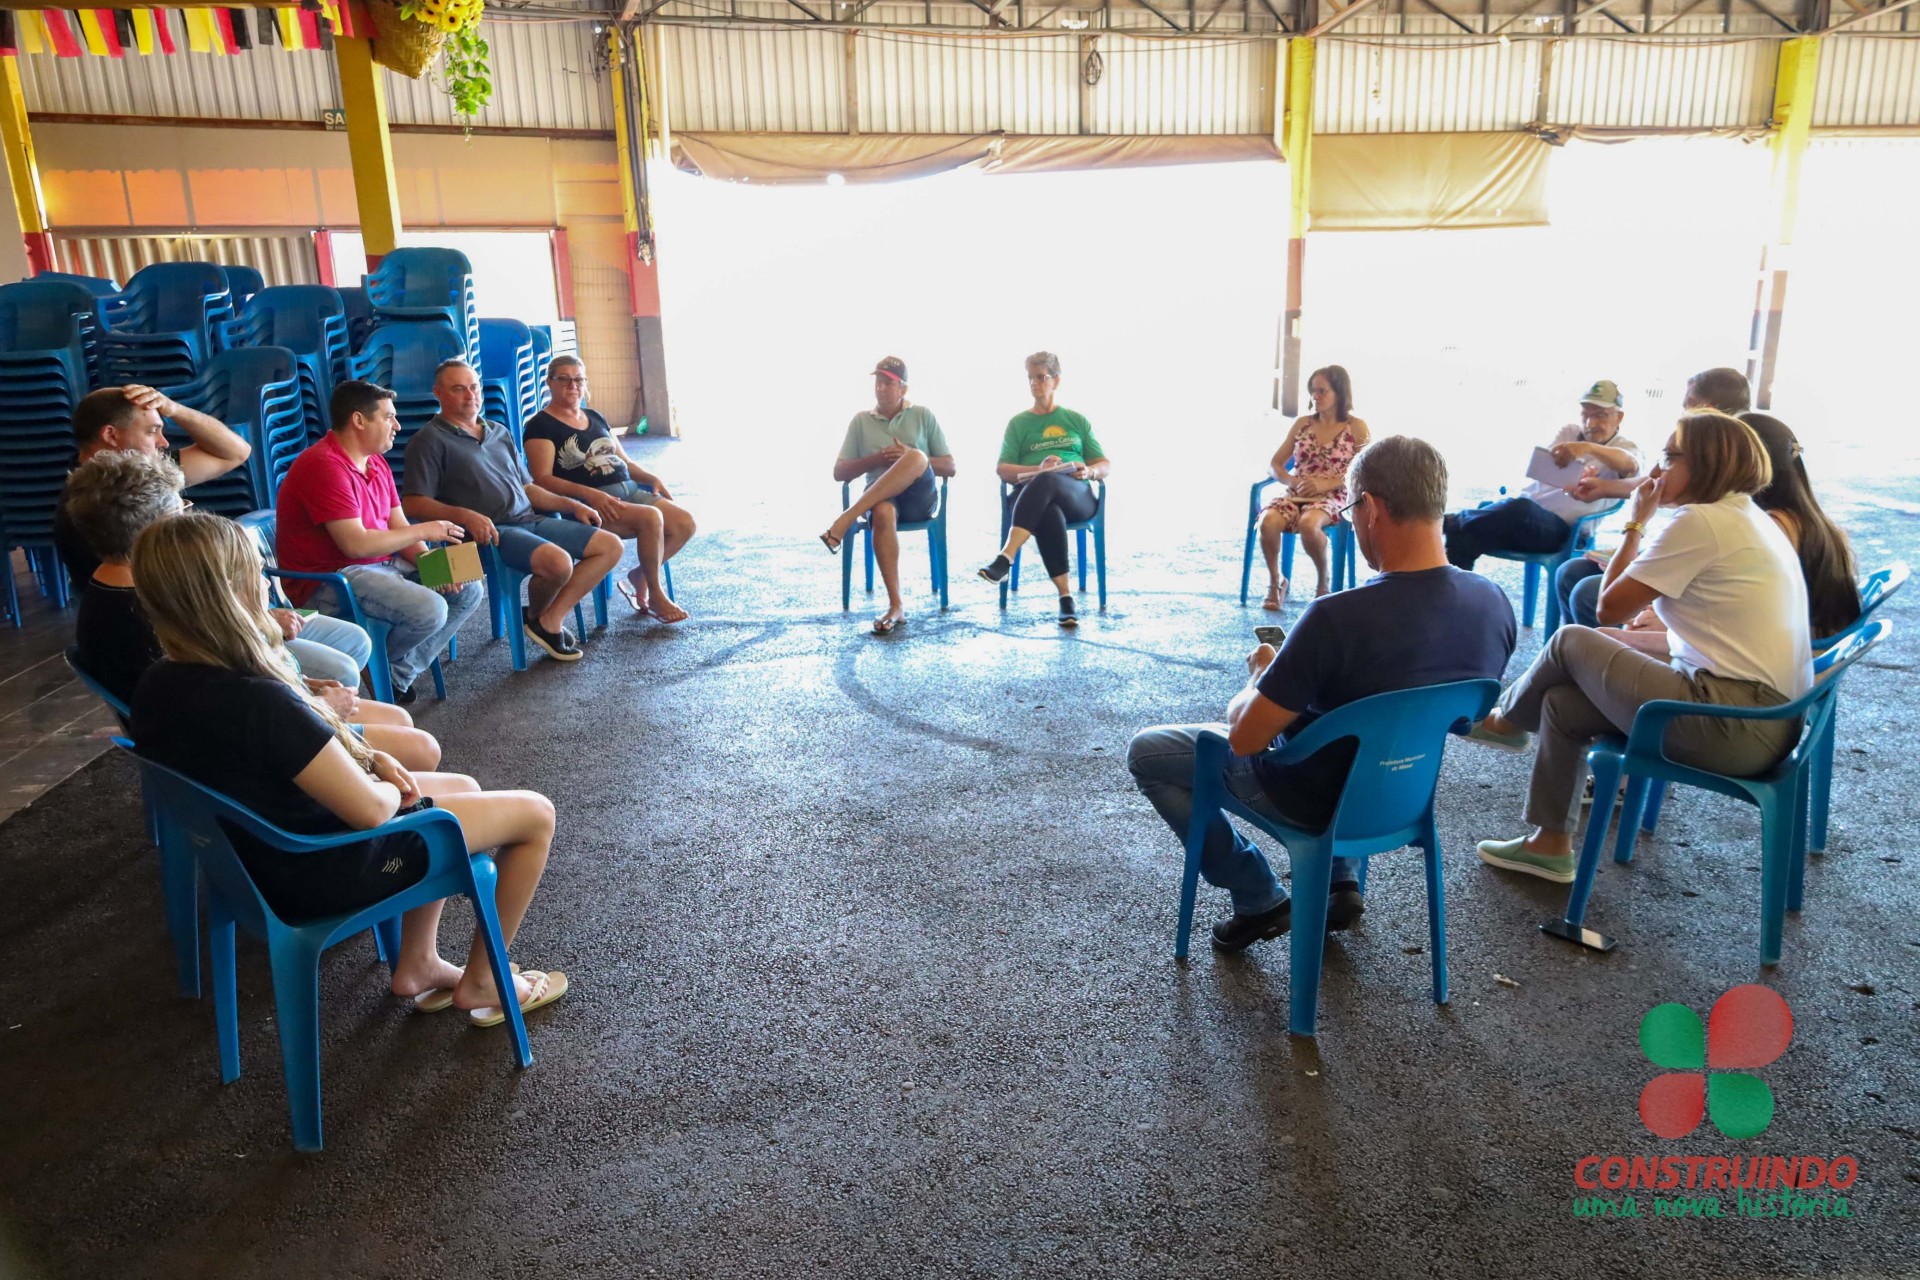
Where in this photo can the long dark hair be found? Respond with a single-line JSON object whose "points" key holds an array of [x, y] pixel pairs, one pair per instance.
{"points": [[1826, 557], [1342, 387]]}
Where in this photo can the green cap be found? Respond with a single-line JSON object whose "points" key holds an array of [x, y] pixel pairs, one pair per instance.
{"points": [[1604, 393]]}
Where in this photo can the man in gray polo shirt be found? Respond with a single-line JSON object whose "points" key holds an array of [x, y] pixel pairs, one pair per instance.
{"points": [[900, 448], [463, 468]]}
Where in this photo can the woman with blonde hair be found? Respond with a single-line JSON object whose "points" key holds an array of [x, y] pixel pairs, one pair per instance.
{"points": [[223, 709], [1727, 588]]}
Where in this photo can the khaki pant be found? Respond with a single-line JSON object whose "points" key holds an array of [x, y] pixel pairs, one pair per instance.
{"points": [[1586, 684]]}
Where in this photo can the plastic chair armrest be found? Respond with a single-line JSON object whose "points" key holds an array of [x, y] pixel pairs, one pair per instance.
{"points": [[1651, 721], [338, 582]]}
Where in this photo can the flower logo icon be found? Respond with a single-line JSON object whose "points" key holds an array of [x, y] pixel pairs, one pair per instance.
{"points": [[1706, 1067]]}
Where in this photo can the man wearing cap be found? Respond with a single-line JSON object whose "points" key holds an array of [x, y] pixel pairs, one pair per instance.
{"points": [[1578, 581], [900, 448], [1538, 520]]}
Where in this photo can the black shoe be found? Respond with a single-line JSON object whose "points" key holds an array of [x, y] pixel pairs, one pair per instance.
{"points": [[559, 646], [1238, 932], [1068, 616], [1345, 905], [405, 697], [998, 570]]}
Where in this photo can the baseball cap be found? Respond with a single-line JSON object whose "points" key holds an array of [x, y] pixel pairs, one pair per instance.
{"points": [[1604, 393], [894, 367]]}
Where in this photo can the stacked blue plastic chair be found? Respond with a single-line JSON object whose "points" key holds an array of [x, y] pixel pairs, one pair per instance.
{"points": [[426, 284], [209, 819], [255, 391], [163, 334], [403, 357], [542, 353], [43, 373], [508, 381], [99, 286], [242, 283], [310, 320], [360, 315]]}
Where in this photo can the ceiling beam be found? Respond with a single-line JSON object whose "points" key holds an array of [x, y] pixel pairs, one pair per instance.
{"points": [[1881, 12], [1449, 17], [1148, 6], [1327, 24]]}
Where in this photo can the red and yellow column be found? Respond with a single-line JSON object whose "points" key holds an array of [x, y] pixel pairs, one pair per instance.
{"points": [[630, 132], [17, 141], [1297, 147], [363, 94], [1792, 122]]}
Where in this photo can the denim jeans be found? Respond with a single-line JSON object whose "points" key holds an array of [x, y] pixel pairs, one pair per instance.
{"points": [[331, 649], [422, 619], [1578, 584], [1512, 524], [1161, 761]]}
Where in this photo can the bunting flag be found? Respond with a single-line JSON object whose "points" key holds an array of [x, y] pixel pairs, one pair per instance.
{"points": [[223, 38], [199, 30], [60, 35], [115, 33], [90, 33]]}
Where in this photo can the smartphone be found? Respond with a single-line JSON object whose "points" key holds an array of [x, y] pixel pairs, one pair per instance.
{"points": [[1272, 635], [1591, 939]]}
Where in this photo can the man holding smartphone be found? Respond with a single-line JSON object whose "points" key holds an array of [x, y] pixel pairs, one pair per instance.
{"points": [[1419, 622]]}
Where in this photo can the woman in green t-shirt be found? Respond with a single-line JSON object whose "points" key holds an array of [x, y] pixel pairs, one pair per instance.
{"points": [[1050, 455]]}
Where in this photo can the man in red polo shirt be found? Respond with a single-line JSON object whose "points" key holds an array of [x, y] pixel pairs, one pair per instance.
{"points": [[339, 512]]}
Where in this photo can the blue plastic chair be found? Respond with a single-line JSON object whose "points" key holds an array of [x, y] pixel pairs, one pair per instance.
{"points": [[1579, 542], [242, 282], [204, 818], [504, 587], [1782, 794], [1098, 525], [179, 883], [1875, 590], [1386, 804], [1340, 534], [935, 527], [265, 526]]}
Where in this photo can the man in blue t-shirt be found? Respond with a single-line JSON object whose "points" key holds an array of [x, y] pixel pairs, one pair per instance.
{"points": [[1420, 622]]}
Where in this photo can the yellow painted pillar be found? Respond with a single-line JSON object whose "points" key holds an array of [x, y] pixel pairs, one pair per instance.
{"points": [[1298, 149], [1792, 124], [363, 94], [24, 172], [630, 132]]}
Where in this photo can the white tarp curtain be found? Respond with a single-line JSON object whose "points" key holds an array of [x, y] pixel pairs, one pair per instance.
{"points": [[811, 157]]}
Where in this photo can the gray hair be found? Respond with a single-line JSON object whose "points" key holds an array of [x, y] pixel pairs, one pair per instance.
{"points": [[114, 495], [570, 360], [1405, 474], [1046, 360]]}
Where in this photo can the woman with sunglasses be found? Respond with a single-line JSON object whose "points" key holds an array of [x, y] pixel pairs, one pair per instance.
{"points": [[1727, 588], [573, 452]]}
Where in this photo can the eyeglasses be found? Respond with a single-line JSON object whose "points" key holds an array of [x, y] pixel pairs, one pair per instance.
{"points": [[1341, 514], [567, 382]]}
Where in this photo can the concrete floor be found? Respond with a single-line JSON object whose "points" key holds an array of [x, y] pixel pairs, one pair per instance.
{"points": [[870, 944]]}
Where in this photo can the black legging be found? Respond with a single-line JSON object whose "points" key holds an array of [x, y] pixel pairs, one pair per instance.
{"points": [[1044, 505]]}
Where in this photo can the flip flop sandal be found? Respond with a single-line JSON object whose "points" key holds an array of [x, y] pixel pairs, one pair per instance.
{"points": [[493, 1016], [887, 626], [660, 617], [628, 594], [831, 543], [438, 998]]}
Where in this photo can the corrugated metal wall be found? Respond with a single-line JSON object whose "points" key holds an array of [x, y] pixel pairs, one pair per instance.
{"points": [[1367, 85], [735, 79], [1718, 83], [918, 84], [282, 259], [1868, 81], [1186, 87], [545, 76]]}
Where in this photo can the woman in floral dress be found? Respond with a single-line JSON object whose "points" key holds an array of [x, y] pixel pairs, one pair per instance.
{"points": [[1311, 468]]}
